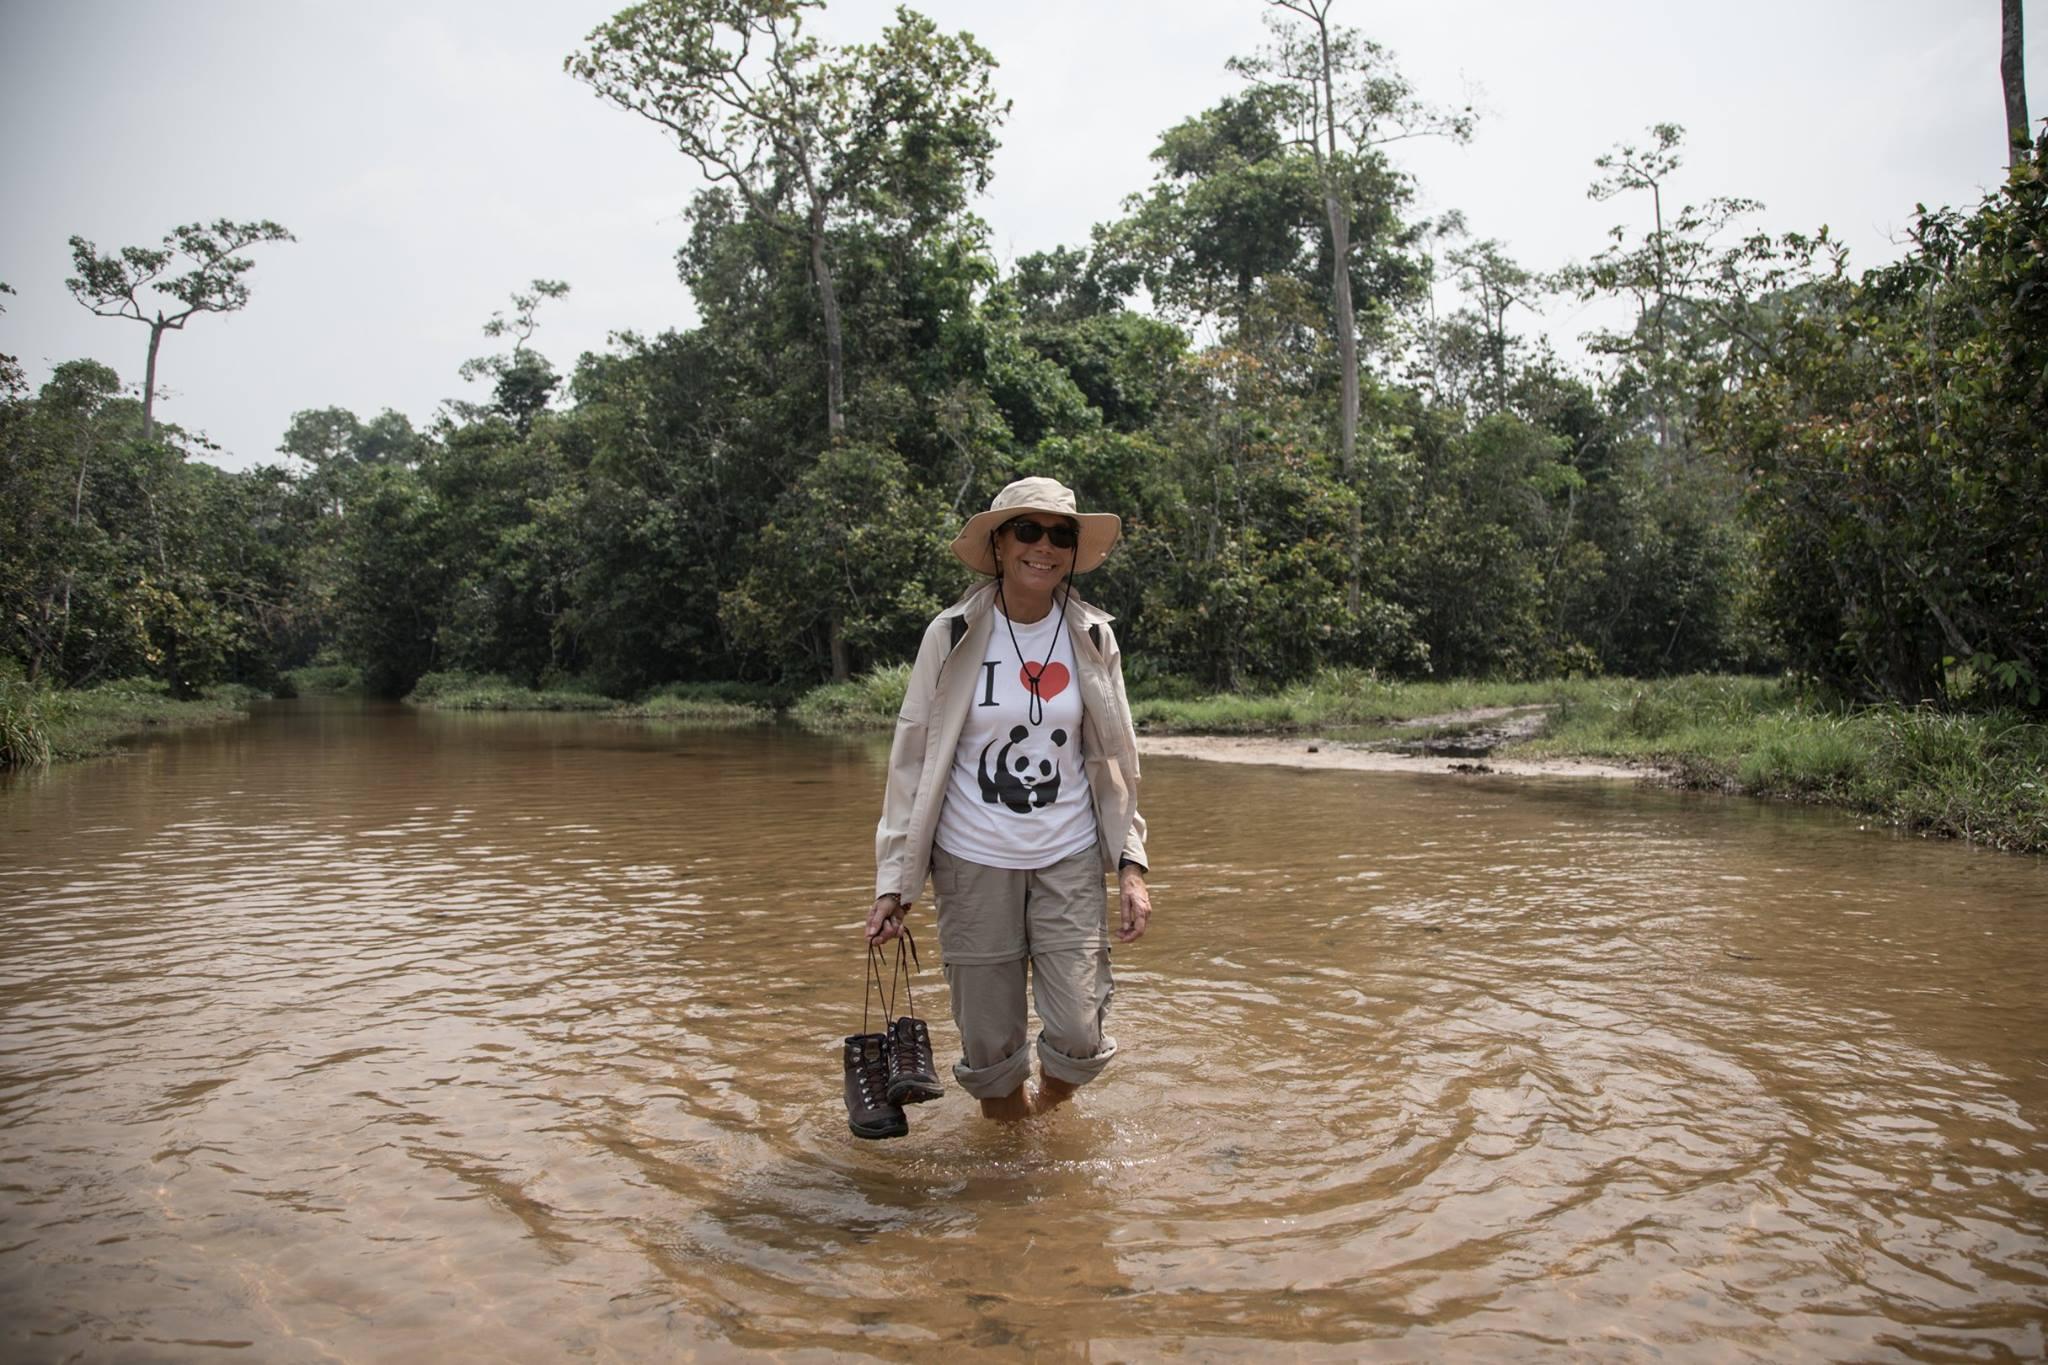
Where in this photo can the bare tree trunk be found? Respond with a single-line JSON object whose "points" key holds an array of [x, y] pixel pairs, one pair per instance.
{"points": [[2019, 130], [835, 354], [1340, 289], [1346, 320], [156, 339], [1347, 361], [841, 672], [1658, 386]]}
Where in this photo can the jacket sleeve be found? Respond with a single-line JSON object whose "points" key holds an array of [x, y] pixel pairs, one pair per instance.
{"points": [[906, 769], [1134, 841]]}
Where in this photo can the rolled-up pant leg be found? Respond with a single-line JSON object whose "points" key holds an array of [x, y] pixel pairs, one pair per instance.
{"points": [[1070, 980], [981, 935]]}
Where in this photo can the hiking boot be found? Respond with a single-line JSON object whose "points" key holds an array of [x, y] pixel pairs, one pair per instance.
{"points": [[870, 1113], [912, 1077]]}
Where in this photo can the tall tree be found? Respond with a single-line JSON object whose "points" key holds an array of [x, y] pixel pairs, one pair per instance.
{"points": [[525, 379], [2012, 75], [12, 380], [1494, 284], [1232, 204], [1348, 102], [112, 285], [1694, 290], [805, 135]]}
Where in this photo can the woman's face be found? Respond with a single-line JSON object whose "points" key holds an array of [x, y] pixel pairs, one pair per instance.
{"points": [[1040, 565]]}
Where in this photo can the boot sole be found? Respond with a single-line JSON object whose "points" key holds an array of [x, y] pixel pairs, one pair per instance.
{"points": [[881, 1128], [914, 1092]]}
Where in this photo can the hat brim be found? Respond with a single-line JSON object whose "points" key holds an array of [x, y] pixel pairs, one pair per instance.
{"points": [[1099, 532]]}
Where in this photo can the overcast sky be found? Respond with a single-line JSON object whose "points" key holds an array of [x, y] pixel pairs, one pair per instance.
{"points": [[431, 157]]}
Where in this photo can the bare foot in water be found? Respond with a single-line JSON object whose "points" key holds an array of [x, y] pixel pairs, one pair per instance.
{"points": [[1052, 1092], [1009, 1108]]}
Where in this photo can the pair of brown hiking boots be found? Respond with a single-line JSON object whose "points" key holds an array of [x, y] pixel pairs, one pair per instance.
{"points": [[887, 1070], [884, 1072]]}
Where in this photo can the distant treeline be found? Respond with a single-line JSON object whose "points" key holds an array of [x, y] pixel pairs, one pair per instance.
{"points": [[1774, 464]]}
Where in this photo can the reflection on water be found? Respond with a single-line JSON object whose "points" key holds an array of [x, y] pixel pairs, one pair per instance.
{"points": [[354, 1033]]}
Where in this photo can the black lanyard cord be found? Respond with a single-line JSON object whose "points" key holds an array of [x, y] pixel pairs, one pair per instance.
{"points": [[1034, 710]]}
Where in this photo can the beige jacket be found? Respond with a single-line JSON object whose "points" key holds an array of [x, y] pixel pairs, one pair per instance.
{"points": [[935, 706]]}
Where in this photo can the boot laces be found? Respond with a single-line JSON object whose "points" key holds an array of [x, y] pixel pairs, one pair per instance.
{"points": [[872, 1070]]}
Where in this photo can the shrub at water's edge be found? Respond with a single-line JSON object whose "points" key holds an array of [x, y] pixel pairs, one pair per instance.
{"points": [[321, 680], [869, 702], [39, 726]]}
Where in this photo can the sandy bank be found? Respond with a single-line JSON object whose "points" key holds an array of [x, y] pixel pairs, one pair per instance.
{"points": [[1306, 752]]}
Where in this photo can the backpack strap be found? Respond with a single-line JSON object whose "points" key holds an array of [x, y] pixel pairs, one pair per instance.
{"points": [[1095, 635], [959, 624]]}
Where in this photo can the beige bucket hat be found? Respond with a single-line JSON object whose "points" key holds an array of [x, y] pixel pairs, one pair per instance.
{"points": [[1099, 530]]}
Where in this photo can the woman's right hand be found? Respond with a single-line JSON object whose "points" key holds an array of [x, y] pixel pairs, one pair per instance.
{"points": [[885, 921]]}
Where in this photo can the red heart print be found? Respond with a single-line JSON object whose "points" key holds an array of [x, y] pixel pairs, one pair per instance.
{"points": [[1052, 679]]}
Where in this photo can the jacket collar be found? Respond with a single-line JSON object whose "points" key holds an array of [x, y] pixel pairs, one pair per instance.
{"points": [[980, 599]]}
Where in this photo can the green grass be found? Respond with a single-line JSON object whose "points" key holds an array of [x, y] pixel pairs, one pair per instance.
{"points": [[39, 726], [704, 704], [1341, 699], [722, 704], [456, 691], [1977, 776], [1702, 725]]}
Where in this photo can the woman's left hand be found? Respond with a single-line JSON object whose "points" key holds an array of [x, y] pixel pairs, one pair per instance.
{"points": [[1136, 905]]}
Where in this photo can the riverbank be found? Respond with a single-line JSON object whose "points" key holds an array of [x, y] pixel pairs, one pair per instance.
{"points": [[715, 704], [1313, 754], [1978, 777], [39, 726], [1971, 776]]}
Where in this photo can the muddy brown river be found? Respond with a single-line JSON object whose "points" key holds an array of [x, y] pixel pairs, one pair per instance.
{"points": [[357, 1034]]}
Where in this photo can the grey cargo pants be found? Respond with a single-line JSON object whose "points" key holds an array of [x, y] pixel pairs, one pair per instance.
{"points": [[992, 920]]}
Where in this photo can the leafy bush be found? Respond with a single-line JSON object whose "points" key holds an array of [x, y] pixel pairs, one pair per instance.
{"points": [[870, 702], [323, 679]]}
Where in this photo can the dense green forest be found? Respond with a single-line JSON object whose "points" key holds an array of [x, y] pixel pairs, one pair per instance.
{"points": [[1779, 463]]}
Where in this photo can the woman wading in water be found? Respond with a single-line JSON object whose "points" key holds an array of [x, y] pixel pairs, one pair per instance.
{"points": [[1013, 781]]}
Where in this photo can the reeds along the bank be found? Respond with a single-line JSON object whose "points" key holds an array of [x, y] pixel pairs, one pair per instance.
{"points": [[24, 732]]}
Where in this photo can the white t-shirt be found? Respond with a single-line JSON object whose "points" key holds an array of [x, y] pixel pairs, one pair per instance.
{"points": [[1018, 794]]}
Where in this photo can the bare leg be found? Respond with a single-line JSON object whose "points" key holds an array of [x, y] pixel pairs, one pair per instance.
{"points": [[1052, 1092], [1009, 1108]]}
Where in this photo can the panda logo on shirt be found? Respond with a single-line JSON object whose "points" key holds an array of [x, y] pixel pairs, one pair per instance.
{"points": [[1026, 776]]}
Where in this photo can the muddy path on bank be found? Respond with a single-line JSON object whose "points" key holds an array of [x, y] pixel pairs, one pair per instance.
{"points": [[1455, 742]]}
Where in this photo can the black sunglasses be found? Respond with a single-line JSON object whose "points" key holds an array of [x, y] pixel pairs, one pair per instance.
{"points": [[1027, 532]]}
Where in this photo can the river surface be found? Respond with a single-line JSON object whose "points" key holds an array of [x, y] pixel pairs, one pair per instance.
{"points": [[354, 1033]]}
